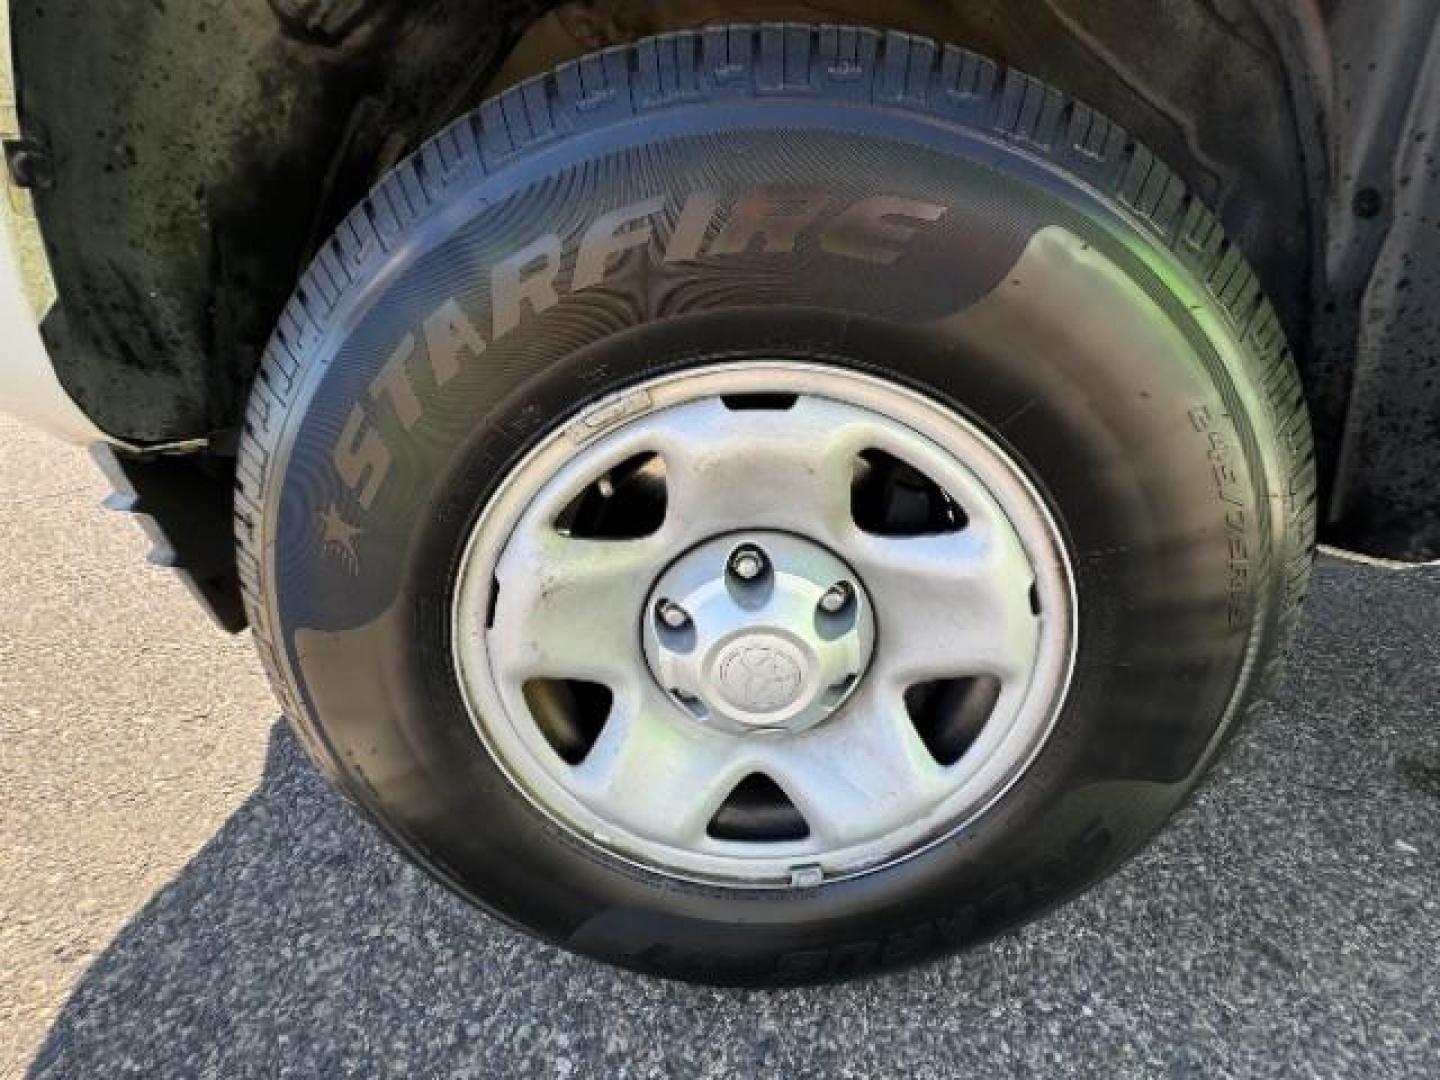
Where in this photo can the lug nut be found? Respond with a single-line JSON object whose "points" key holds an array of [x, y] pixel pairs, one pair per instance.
{"points": [[672, 615], [747, 563], [836, 598]]}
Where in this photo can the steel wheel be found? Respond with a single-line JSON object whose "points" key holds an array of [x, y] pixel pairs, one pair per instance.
{"points": [[764, 624]]}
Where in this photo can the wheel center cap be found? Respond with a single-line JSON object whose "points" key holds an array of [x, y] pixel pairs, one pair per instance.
{"points": [[761, 673], [758, 632]]}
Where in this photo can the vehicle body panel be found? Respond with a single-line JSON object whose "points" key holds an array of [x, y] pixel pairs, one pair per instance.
{"points": [[29, 388]]}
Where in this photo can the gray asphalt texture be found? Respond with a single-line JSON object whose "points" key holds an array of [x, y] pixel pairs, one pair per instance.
{"points": [[244, 922]]}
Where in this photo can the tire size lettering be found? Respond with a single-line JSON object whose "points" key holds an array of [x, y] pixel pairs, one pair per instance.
{"points": [[1230, 490]]}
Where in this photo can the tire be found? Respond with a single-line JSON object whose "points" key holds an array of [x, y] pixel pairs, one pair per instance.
{"points": [[1016, 258]]}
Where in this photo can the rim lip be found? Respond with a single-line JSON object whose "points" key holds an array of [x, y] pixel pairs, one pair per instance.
{"points": [[593, 423]]}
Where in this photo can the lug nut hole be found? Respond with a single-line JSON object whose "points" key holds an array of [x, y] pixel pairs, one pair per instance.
{"points": [[671, 616], [748, 563], [690, 702], [837, 598], [674, 628]]}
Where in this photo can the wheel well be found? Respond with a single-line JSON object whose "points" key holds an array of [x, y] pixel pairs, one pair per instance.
{"points": [[201, 159], [195, 161]]}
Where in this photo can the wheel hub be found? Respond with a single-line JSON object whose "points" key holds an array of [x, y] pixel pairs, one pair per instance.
{"points": [[761, 633]]}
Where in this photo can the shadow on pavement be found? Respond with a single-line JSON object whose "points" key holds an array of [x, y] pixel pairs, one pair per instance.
{"points": [[1292, 915]]}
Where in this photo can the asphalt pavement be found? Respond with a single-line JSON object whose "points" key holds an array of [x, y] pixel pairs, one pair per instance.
{"points": [[180, 894]]}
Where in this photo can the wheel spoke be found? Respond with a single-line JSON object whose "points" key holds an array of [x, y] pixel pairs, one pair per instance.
{"points": [[658, 774], [865, 769], [570, 608], [785, 469], [949, 605]]}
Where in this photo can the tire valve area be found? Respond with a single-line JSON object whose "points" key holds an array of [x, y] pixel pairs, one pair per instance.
{"points": [[807, 876]]}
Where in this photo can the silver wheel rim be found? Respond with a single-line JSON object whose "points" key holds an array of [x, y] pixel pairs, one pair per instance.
{"points": [[985, 610]]}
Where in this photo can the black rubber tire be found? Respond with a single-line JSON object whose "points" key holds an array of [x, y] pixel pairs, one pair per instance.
{"points": [[1072, 298]]}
